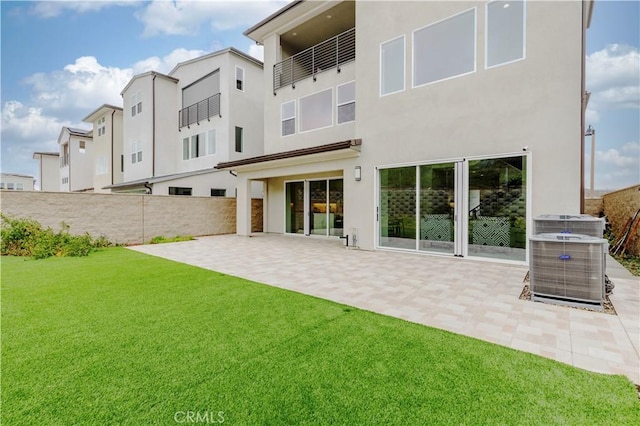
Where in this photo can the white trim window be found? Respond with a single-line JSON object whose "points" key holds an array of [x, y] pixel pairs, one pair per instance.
{"points": [[82, 147], [211, 142], [316, 111], [392, 63], [288, 118], [136, 103], [240, 78], [505, 32], [445, 49], [239, 139], [136, 152], [101, 127], [346, 102]]}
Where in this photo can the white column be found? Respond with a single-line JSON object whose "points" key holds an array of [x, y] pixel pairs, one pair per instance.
{"points": [[243, 206]]}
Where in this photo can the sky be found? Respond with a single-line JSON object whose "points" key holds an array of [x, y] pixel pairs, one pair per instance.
{"points": [[60, 60]]}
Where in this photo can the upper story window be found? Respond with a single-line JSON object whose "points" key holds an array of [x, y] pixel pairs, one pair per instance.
{"points": [[316, 111], [82, 146], [136, 103], [178, 190], [239, 138], [240, 78], [392, 62], [504, 32], [101, 126], [445, 49], [64, 159], [346, 102], [199, 145], [288, 118], [136, 152]]}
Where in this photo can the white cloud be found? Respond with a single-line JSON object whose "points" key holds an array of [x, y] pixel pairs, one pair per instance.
{"points": [[616, 168], [62, 98], [256, 51], [612, 76], [166, 63], [185, 17], [52, 8]]}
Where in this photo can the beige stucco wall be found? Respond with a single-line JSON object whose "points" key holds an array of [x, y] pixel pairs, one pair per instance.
{"points": [[619, 208], [529, 107], [126, 218]]}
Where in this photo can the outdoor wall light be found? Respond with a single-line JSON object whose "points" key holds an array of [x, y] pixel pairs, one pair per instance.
{"points": [[358, 173]]}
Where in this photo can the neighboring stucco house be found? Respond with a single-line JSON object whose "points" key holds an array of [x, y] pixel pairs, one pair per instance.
{"points": [[76, 160], [436, 127], [16, 182], [49, 169], [178, 126], [108, 154]]}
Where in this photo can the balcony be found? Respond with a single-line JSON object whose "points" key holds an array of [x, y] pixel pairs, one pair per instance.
{"points": [[200, 111], [324, 56]]}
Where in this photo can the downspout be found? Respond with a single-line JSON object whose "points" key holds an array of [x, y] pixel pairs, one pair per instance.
{"points": [[149, 188], [153, 124], [112, 135], [69, 160], [583, 103]]}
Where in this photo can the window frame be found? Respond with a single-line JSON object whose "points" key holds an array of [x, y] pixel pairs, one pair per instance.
{"points": [[241, 80], [404, 65], [475, 48], [486, 35], [239, 141], [299, 111], [283, 119], [338, 104]]}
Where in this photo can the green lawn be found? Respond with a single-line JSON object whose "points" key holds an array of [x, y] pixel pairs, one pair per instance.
{"points": [[124, 338]]}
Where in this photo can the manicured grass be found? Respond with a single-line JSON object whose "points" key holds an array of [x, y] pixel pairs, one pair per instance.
{"points": [[124, 338]]}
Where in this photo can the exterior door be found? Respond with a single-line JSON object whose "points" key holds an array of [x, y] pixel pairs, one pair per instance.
{"points": [[314, 207]]}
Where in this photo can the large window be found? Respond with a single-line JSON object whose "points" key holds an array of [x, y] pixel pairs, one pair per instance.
{"points": [[346, 102], [199, 145], [288, 118], [239, 138], [445, 49], [398, 207], [316, 111], [505, 32], [392, 66]]}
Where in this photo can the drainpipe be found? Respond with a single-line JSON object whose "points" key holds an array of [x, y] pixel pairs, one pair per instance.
{"points": [[69, 160], [153, 124], [583, 103], [112, 135], [149, 188]]}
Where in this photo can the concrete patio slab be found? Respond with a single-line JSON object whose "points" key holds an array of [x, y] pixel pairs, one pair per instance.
{"points": [[474, 298]]}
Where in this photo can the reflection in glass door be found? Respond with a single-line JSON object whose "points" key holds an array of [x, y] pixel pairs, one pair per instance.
{"points": [[315, 207], [437, 208], [294, 208], [318, 207], [497, 208], [464, 208]]}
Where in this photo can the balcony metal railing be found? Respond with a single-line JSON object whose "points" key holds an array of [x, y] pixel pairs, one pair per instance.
{"points": [[323, 56], [64, 160], [197, 112]]}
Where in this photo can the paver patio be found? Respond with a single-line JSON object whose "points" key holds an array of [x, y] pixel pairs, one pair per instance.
{"points": [[473, 298]]}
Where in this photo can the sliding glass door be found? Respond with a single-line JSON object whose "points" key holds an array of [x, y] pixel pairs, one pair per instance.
{"points": [[463, 208], [314, 207]]}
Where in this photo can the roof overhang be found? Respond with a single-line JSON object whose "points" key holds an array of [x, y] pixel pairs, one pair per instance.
{"points": [[156, 179], [329, 152], [101, 110], [38, 155]]}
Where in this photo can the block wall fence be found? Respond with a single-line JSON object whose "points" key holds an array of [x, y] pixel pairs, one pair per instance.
{"points": [[128, 218], [619, 207]]}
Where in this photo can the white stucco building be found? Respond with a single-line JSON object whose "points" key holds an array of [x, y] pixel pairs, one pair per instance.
{"points": [[16, 182], [435, 127], [76, 160], [178, 126], [108, 154], [49, 170]]}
